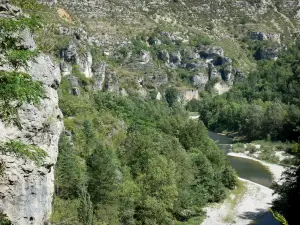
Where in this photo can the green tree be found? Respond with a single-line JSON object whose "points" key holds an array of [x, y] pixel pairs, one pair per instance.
{"points": [[85, 209], [287, 204], [171, 96], [102, 173], [70, 170]]}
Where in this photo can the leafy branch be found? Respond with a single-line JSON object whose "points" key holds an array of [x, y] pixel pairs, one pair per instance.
{"points": [[24, 151], [17, 88]]}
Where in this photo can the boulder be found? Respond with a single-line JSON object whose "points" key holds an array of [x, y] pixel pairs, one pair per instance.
{"points": [[158, 96], [227, 73], [8, 10], [25, 40], [189, 95], [164, 56], [211, 51], [74, 81], [144, 57], [197, 64], [69, 54], [213, 72], [111, 82], [75, 91], [175, 57], [199, 80], [266, 53], [123, 92], [260, 36]]}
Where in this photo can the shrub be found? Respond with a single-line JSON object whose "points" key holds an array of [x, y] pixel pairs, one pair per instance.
{"points": [[20, 88], [4, 220], [24, 151], [19, 58], [171, 96], [251, 148], [268, 154]]}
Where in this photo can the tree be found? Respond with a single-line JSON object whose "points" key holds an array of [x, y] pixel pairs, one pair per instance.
{"points": [[171, 96], [85, 209], [103, 185], [102, 173], [69, 172], [287, 203]]}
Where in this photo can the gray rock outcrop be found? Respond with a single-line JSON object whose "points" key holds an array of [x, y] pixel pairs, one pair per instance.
{"points": [[144, 57], [26, 190], [164, 56], [111, 82], [199, 80], [8, 10], [99, 71], [261, 36]]}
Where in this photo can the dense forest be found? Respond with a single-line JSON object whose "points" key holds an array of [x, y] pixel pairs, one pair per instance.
{"points": [[264, 105], [125, 160]]}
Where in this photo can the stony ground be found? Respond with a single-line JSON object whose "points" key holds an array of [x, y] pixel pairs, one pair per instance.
{"points": [[242, 207]]}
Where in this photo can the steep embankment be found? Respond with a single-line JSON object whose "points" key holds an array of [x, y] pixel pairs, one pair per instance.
{"points": [[30, 123]]}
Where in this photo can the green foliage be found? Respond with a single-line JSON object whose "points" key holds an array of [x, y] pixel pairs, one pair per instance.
{"points": [[8, 28], [193, 105], [279, 217], [85, 209], [202, 40], [139, 45], [137, 172], [286, 204], [4, 220], [2, 168], [102, 173], [265, 104], [69, 171], [268, 154], [171, 96], [20, 23], [28, 5], [25, 151], [17, 88], [65, 211], [19, 58]]}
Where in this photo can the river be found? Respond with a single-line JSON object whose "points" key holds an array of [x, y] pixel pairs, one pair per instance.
{"points": [[245, 168], [248, 169]]}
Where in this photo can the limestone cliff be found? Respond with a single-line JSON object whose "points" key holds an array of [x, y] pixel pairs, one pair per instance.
{"points": [[26, 189]]}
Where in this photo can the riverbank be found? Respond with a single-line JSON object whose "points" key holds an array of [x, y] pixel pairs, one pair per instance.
{"points": [[276, 170], [249, 202]]}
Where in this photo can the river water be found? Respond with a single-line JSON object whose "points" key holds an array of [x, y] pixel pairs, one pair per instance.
{"points": [[247, 169]]}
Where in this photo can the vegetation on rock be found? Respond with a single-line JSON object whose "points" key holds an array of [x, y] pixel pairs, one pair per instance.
{"points": [[17, 88]]}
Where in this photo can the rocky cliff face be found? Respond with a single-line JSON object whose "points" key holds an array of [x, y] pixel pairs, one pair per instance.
{"points": [[26, 189], [230, 25]]}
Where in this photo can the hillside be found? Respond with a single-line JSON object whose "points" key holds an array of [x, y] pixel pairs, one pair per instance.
{"points": [[193, 45], [94, 100]]}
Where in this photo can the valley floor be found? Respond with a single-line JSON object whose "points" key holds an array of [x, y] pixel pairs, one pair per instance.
{"points": [[248, 202]]}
